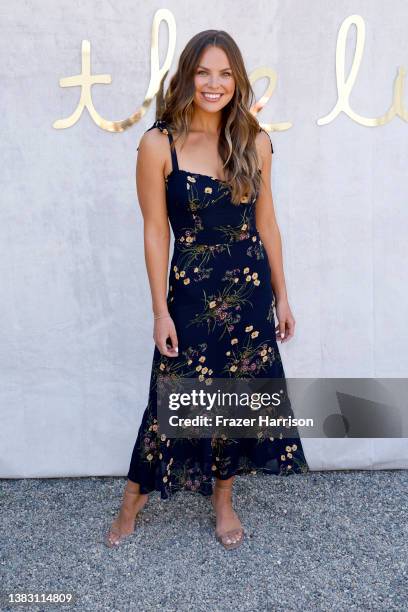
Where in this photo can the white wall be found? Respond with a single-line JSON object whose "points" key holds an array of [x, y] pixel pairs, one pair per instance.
{"points": [[76, 326]]}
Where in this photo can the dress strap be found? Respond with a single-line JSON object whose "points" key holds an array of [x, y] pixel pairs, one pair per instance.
{"points": [[163, 127], [262, 130]]}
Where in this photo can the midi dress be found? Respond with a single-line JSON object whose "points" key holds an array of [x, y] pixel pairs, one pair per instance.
{"points": [[222, 303]]}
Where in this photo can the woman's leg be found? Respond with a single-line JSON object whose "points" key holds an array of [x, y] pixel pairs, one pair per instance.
{"points": [[226, 517], [132, 502]]}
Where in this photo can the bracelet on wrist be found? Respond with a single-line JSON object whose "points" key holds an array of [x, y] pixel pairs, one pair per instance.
{"points": [[161, 316]]}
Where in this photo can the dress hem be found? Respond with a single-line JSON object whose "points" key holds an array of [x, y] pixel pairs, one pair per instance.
{"points": [[208, 491]]}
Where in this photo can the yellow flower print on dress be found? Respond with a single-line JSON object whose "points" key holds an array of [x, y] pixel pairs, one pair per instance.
{"points": [[247, 360], [240, 231], [224, 310]]}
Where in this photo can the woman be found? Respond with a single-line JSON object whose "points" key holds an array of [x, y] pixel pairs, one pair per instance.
{"points": [[204, 165]]}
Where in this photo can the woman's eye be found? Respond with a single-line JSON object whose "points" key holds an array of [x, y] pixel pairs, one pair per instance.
{"points": [[227, 74]]}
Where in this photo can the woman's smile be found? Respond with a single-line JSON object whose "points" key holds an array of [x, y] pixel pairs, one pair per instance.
{"points": [[211, 97]]}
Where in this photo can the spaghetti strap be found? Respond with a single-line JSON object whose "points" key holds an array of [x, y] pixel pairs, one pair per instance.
{"points": [[263, 130], [174, 159], [163, 127]]}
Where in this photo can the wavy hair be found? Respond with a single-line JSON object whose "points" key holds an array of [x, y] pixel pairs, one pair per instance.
{"points": [[239, 127]]}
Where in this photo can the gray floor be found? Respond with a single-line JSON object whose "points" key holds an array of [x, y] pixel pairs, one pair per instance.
{"points": [[321, 541]]}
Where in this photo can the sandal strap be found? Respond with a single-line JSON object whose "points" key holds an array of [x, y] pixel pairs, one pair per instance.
{"points": [[230, 532], [229, 545]]}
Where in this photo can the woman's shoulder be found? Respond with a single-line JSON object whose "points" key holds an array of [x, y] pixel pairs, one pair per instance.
{"points": [[264, 141], [154, 134]]}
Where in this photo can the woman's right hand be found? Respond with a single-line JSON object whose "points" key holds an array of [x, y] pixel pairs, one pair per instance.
{"points": [[164, 328]]}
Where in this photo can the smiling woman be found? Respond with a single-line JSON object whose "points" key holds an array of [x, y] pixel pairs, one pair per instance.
{"points": [[216, 320]]}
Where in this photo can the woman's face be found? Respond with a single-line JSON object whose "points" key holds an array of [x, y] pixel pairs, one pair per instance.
{"points": [[213, 75]]}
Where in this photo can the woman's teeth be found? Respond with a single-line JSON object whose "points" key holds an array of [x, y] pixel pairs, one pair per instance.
{"points": [[212, 97]]}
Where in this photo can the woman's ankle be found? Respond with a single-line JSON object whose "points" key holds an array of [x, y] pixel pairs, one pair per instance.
{"points": [[132, 487], [132, 498]]}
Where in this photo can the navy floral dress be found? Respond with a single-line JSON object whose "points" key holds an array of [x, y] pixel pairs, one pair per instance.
{"points": [[221, 301]]}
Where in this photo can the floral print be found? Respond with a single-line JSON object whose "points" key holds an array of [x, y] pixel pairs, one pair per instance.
{"points": [[222, 303], [224, 308], [250, 359]]}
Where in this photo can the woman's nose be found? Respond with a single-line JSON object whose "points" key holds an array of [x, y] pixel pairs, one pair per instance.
{"points": [[213, 82]]}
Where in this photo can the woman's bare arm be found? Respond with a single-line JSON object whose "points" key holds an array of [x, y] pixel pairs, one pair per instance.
{"points": [[151, 192], [266, 220], [270, 235]]}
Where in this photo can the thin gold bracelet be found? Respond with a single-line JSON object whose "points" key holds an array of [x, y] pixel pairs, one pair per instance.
{"points": [[162, 316]]}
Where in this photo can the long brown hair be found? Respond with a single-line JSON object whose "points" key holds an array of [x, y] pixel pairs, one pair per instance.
{"points": [[239, 127]]}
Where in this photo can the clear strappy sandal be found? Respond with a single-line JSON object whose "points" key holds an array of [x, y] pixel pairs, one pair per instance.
{"points": [[229, 539], [113, 537], [232, 538]]}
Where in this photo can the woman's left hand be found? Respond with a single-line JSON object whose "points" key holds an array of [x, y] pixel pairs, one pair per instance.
{"points": [[286, 326]]}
